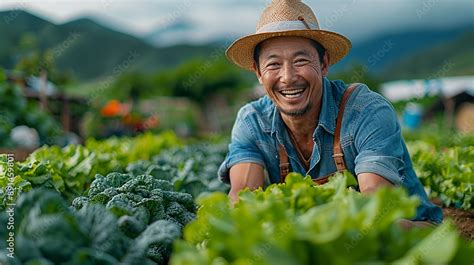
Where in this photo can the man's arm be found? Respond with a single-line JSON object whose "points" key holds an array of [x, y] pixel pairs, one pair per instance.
{"points": [[244, 175], [369, 182]]}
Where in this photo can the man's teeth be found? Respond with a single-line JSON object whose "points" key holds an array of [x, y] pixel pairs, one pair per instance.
{"points": [[293, 93], [292, 96]]}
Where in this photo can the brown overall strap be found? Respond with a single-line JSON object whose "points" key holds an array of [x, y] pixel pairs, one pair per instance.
{"points": [[338, 154], [284, 163]]}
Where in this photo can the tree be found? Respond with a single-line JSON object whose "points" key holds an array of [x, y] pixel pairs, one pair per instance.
{"points": [[33, 61], [201, 79], [131, 85]]}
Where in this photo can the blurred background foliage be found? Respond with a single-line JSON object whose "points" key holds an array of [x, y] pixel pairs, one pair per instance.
{"points": [[102, 82]]}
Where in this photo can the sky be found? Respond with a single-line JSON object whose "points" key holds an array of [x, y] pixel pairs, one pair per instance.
{"points": [[217, 19]]}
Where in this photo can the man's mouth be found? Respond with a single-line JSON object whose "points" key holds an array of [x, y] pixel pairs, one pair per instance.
{"points": [[292, 93]]}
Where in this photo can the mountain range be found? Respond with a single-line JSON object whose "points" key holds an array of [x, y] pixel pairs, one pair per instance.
{"points": [[87, 48], [92, 51]]}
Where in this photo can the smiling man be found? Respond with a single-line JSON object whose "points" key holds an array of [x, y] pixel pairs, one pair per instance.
{"points": [[307, 123]]}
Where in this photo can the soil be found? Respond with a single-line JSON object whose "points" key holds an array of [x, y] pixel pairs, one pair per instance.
{"points": [[464, 221]]}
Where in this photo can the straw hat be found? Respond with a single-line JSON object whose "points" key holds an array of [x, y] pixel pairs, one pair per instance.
{"points": [[287, 18]]}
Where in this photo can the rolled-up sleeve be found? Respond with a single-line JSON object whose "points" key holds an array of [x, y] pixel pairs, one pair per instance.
{"points": [[243, 146], [379, 142]]}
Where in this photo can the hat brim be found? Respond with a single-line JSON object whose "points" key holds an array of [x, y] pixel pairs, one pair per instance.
{"points": [[241, 51]]}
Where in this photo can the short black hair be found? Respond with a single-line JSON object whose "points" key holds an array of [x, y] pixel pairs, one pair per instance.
{"points": [[319, 48]]}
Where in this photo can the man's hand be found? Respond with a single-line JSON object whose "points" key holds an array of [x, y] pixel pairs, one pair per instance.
{"points": [[370, 182], [408, 224], [245, 175]]}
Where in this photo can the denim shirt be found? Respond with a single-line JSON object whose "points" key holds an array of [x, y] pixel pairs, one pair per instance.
{"points": [[370, 138]]}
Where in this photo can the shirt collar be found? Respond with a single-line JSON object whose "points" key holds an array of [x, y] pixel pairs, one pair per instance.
{"points": [[327, 116]]}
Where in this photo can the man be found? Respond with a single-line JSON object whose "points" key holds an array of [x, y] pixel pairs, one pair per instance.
{"points": [[307, 123]]}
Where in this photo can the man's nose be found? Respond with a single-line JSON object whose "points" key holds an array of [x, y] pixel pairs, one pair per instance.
{"points": [[288, 75]]}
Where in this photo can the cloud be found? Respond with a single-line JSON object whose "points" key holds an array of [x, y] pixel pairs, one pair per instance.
{"points": [[358, 19]]}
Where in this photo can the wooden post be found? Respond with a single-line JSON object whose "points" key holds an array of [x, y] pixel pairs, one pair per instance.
{"points": [[42, 90], [66, 113], [449, 106]]}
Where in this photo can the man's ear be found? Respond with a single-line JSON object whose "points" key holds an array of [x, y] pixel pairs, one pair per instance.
{"points": [[325, 64], [257, 73]]}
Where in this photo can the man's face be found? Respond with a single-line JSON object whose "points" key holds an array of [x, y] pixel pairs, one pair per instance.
{"points": [[291, 73]]}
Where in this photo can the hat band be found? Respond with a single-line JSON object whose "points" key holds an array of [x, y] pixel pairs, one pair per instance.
{"points": [[286, 25]]}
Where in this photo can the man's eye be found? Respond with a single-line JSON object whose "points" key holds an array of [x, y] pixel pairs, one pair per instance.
{"points": [[301, 61], [272, 65]]}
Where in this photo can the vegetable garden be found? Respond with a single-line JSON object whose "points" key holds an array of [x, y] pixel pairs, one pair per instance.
{"points": [[100, 104], [155, 199]]}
